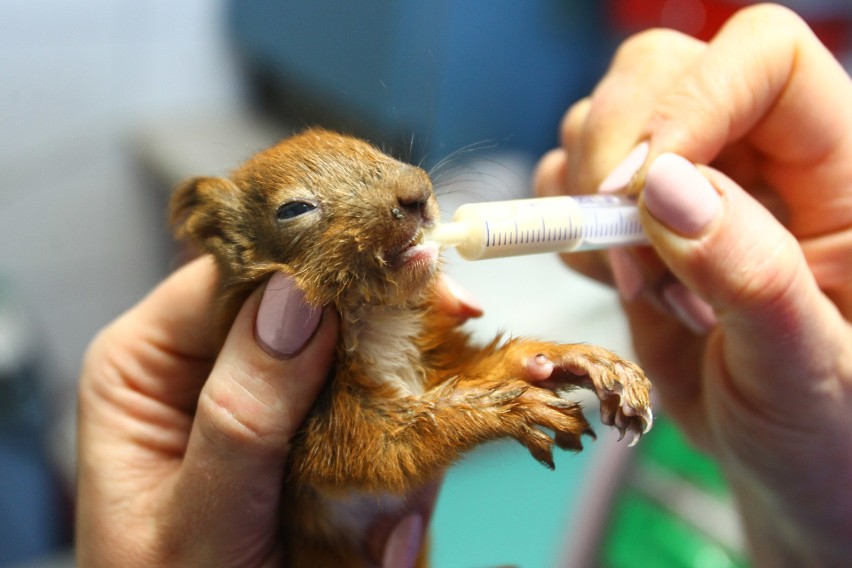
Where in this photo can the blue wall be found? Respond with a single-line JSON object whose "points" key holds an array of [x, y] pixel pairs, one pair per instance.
{"points": [[451, 73]]}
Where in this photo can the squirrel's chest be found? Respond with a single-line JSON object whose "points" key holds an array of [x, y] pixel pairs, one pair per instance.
{"points": [[382, 341]]}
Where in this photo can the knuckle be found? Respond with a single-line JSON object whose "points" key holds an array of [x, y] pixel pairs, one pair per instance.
{"points": [[573, 122], [650, 45], [235, 420], [549, 179], [770, 17], [224, 424], [767, 30], [766, 279]]}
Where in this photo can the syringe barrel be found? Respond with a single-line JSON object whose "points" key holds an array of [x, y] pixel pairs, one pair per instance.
{"points": [[550, 224]]}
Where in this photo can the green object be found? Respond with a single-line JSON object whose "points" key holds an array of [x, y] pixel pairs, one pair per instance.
{"points": [[674, 510], [667, 448]]}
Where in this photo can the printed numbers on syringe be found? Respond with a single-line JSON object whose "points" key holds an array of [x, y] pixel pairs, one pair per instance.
{"points": [[605, 229], [497, 238]]}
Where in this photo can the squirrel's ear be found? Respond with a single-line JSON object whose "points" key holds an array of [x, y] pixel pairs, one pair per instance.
{"points": [[209, 212], [199, 208]]}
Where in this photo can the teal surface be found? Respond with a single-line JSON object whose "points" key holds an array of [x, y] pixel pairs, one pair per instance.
{"points": [[501, 507]]}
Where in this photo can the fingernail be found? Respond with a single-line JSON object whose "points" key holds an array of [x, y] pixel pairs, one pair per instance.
{"points": [[285, 321], [404, 542], [692, 311], [468, 301], [626, 273], [621, 175], [679, 196]]}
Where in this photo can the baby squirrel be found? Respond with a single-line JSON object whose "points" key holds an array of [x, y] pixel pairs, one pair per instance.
{"points": [[409, 391]]}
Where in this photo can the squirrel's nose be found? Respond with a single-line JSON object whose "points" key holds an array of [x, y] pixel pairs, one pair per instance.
{"points": [[409, 206]]}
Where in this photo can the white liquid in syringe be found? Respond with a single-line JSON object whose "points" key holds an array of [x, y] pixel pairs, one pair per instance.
{"points": [[549, 224]]}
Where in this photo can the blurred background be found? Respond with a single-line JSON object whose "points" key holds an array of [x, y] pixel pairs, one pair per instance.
{"points": [[105, 105]]}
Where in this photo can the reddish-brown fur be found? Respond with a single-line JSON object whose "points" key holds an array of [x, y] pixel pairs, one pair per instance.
{"points": [[394, 414]]}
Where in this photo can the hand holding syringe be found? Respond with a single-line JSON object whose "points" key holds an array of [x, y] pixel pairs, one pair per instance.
{"points": [[549, 224]]}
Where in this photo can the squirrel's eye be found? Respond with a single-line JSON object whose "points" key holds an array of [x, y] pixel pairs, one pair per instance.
{"points": [[294, 209]]}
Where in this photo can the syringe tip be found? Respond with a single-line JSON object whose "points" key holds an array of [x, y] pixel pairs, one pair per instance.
{"points": [[449, 234]]}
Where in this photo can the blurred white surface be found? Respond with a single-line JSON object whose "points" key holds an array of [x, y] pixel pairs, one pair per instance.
{"points": [[84, 236], [81, 236]]}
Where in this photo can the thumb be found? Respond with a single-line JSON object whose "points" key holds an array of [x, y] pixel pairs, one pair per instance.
{"points": [[265, 379], [734, 258]]}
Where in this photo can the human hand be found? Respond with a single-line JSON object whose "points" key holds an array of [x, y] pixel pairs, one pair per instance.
{"points": [[183, 441], [741, 311]]}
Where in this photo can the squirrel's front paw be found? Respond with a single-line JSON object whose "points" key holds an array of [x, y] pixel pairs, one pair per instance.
{"points": [[621, 386], [539, 407]]}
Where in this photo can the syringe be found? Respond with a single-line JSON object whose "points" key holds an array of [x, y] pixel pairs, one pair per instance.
{"points": [[548, 224]]}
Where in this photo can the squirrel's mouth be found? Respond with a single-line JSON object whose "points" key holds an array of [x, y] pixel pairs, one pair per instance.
{"points": [[414, 251]]}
